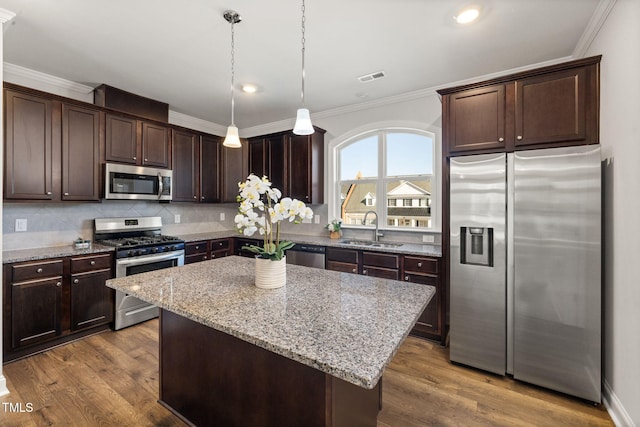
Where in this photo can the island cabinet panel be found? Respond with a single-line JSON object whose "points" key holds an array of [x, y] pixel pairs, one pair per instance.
{"points": [[31, 150], [541, 108], [82, 146], [211, 378], [426, 271], [196, 251], [47, 303]]}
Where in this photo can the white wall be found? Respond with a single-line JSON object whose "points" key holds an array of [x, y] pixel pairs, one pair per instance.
{"points": [[619, 43]]}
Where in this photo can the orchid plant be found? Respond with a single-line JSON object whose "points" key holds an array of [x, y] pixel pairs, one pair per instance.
{"points": [[261, 209]]}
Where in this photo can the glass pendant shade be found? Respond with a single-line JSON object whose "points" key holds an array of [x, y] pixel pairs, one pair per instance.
{"points": [[303, 124], [232, 140]]}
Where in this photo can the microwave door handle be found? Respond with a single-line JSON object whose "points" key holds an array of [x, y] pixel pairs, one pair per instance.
{"points": [[159, 185]]}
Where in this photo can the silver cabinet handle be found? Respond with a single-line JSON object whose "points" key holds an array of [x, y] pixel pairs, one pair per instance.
{"points": [[419, 264], [49, 193], [406, 278], [202, 198], [353, 271], [39, 270], [500, 139], [146, 160], [92, 262], [59, 284], [76, 281], [195, 197], [66, 194], [519, 137], [135, 158], [197, 247], [364, 271]]}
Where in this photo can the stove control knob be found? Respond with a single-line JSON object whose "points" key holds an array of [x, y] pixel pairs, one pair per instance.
{"points": [[130, 253], [166, 249], [138, 252], [154, 250], [173, 247]]}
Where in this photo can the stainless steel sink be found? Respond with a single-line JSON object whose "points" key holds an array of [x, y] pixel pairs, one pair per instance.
{"points": [[370, 243]]}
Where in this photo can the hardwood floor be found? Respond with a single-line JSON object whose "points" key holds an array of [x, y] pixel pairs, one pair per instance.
{"points": [[111, 379]]}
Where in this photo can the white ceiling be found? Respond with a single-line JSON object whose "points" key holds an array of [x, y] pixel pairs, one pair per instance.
{"points": [[179, 52]]}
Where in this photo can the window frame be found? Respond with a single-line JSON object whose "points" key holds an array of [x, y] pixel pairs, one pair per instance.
{"points": [[334, 187]]}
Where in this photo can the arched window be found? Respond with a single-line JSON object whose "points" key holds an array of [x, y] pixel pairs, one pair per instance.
{"points": [[390, 172]]}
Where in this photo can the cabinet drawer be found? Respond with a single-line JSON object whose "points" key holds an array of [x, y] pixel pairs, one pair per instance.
{"points": [[36, 270], [342, 266], [220, 244], [219, 253], [420, 265], [384, 273], [421, 279], [380, 260], [89, 263], [196, 248], [190, 259], [342, 255]]}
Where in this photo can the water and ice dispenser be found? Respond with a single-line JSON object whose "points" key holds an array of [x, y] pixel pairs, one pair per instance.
{"points": [[476, 246]]}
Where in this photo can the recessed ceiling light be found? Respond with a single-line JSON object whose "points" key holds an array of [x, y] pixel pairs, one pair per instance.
{"points": [[249, 88], [467, 15]]}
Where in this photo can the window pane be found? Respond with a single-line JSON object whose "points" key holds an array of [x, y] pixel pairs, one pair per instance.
{"points": [[354, 199], [360, 159], [409, 154], [409, 203]]}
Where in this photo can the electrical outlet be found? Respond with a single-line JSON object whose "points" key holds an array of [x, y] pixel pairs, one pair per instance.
{"points": [[21, 225], [428, 238], [222, 216], [176, 218], [316, 219]]}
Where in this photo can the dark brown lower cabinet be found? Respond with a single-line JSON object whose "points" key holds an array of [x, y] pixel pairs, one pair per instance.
{"points": [[425, 271], [203, 250], [91, 300], [53, 301]]}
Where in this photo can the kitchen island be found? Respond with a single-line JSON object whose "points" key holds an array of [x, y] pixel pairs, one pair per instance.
{"points": [[310, 353]]}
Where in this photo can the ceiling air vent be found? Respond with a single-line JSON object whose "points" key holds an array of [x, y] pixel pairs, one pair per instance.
{"points": [[371, 77]]}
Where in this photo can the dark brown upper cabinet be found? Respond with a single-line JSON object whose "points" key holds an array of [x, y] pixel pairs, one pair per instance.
{"points": [[293, 163], [31, 150], [82, 130], [137, 142], [234, 169], [196, 168], [547, 107]]}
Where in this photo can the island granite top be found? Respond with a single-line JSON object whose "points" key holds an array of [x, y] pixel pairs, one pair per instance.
{"points": [[346, 325]]}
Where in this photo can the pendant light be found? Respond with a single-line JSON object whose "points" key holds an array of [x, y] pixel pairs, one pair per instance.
{"points": [[232, 140], [303, 124]]}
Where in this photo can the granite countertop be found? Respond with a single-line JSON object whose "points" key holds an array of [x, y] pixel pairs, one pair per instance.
{"points": [[34, 254], [346, 325], [404, 248]]}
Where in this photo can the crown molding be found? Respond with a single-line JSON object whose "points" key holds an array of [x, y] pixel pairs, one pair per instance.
{"points": [[180, 119], [47, 83], [6, 15], [596, 22]]}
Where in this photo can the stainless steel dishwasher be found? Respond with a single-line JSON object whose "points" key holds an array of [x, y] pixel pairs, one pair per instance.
{"points": [[307, 255]]}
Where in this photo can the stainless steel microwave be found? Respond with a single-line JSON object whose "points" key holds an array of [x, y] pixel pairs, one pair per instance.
{"points": [[128, 182]]}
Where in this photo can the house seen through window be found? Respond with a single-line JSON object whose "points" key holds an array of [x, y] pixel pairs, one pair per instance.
{"points": [[390, 172]]}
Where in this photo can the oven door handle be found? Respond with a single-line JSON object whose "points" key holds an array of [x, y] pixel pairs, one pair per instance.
{"points": [[149, 258]]}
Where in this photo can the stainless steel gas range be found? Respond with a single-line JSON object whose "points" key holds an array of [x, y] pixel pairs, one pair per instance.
{"points": [[140, 247]]}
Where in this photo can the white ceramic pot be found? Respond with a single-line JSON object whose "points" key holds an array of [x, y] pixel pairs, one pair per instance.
{"points": [[271, 274]]}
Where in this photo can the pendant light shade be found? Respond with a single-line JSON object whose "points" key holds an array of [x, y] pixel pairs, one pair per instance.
{"points": [[303, 124], [232, 140]]}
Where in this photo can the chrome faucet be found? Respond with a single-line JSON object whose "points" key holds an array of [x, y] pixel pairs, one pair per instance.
{"points": [[377, 234]]}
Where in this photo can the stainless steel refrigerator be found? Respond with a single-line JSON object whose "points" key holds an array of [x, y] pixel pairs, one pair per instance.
{"points": [[525, 284]]}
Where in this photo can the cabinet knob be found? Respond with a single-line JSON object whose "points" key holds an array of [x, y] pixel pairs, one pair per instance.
{"points": [[195, 197], [202, 198], [364, 271], [419, 264], [92, 262], [49, 193], [135, 158], [519, 137], [76, 281], [39, 270], [213, 256], [66, 194], [406, 278], [220, 243], [197, 247], [146, 160], [353, 271], [204, 257], [59, 284], [500, 139]]}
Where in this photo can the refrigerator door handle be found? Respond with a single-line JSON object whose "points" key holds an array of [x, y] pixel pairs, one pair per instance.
{"points": [[510, 263]]}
